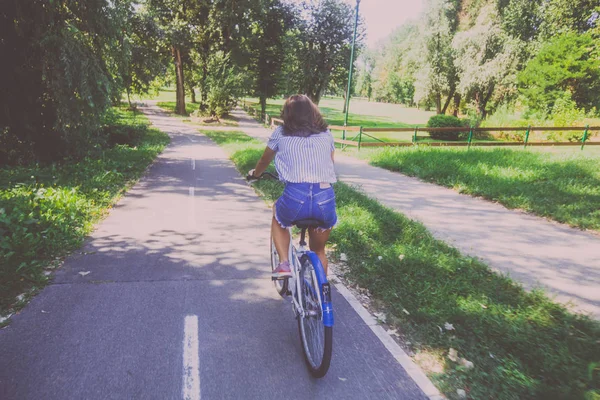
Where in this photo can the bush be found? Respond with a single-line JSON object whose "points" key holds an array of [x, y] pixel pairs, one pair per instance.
{"points": [[120, 126], [130, 135], [224, 82], [447, 121], [46, 210], [566, 113]]}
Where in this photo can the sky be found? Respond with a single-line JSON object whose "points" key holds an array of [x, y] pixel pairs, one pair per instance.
{"points": [[383, 16]]}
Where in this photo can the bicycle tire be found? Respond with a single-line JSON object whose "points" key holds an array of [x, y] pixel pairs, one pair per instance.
{"points": [[316, 338], [281, 285]]}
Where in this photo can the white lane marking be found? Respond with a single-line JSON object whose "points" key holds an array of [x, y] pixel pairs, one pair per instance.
{"points": [[403, 359], [191, 361], [192, 191], [193, 164]]}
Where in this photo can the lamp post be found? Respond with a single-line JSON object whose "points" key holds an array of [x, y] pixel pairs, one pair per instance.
{"points": [[351, 65]]}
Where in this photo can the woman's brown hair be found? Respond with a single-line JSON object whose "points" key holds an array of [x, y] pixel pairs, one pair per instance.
{"points": [[301, 117]]}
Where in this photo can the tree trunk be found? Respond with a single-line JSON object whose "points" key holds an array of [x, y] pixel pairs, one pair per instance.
{"points": [[263, 106], [344, 111], [483, 100], [203, 87], [445, 108], [180, 89], [315, 97], [193, 94], [438, 103], [456, 104], [129, 98]]}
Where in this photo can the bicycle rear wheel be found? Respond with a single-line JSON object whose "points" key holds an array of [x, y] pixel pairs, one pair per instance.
{"points": [[316, 337], [281, 285]]}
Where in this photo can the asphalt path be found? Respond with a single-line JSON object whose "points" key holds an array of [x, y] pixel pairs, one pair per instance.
{"points": [[170, 298]]}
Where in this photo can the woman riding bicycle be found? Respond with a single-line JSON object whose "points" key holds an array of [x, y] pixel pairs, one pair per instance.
{"points": [[303, 150]]}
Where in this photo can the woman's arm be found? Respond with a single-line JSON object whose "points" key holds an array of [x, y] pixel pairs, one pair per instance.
{"points": [[264, 162]]}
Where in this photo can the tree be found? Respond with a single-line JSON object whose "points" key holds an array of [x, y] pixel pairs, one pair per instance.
{"points": [[142, 59], [223, 31], [522, 19], [58, 58], [272, 19], [224, 82], [486, 58], [323, 45], [568, 63], [365, 77], [438, 76], [396, 62], [562, 16], [179, 20]]}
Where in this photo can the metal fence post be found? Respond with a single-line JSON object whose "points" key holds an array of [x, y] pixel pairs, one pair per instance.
{"points": [[470, 137], [527, 135], [360, 137], [585, 135]]}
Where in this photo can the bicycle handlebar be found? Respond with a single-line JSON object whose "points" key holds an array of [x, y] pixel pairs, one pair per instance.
{"points": [[267, 174]]}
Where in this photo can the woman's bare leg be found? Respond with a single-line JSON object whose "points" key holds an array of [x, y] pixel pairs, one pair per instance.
{"points": [[317, 239], [281, 237]]}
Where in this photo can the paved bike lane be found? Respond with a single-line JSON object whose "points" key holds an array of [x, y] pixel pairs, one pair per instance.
{"points": [[170, 298]]}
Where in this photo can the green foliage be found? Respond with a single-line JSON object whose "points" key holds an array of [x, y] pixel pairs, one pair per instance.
{"points": [[57, 83], [487, 59], [566, 113], [46, 211], [447, 121], [521, 18], [561, 16], [266, 46], [224, 84], [362, 113], [466, 55], [437, 77], [395, 65], [121, 131], [396, 89], [320, 53], [170, 106], [365, 83], [570, 62], [141, 58], [540, 350]]}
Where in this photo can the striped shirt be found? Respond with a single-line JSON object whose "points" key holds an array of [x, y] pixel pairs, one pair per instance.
{"points": [[303, 159]]}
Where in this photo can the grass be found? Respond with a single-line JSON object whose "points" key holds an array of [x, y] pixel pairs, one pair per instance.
{"points": [[166, 100], [170, 106], [368, 115], [522, 345], [561, 185], [362, 113], [47, 211]]}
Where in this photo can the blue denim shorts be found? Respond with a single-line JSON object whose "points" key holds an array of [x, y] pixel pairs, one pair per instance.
{"points": [[306, 201]]}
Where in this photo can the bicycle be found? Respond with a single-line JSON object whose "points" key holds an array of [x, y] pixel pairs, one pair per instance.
{"points": [[310, 295]]}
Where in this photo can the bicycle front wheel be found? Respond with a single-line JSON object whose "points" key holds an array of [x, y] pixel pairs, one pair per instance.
{"points": [[316, 337]]}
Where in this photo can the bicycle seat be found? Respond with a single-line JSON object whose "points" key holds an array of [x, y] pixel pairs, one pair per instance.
{"points": [[308, 223]]}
